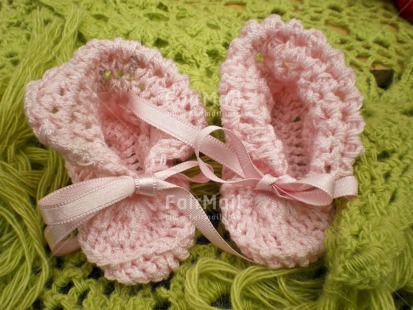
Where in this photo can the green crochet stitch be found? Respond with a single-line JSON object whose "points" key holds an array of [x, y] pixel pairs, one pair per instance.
{"points": [[369, 259]]}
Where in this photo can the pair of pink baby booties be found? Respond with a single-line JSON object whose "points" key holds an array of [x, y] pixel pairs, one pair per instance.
{"points": [[284, 91]]}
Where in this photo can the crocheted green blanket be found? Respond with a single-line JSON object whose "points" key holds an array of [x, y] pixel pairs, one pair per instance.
{"points": [[369, 257]]}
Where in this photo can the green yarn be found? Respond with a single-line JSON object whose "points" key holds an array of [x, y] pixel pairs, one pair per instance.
{"points": [[254, 287], [369, 258]]}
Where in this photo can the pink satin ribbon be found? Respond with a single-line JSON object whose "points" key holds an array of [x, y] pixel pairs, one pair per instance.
{"points": [[67, 209]]}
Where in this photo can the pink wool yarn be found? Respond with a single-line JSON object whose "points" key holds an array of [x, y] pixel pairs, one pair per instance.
{"points": [[80, 110], [291, 99]]}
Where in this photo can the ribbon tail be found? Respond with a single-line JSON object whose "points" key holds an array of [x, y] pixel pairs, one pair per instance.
{"points": [[178, 169], [198, 216], [346, 187], [66, 209], [313, 197], [66, 246], [319, 190]]}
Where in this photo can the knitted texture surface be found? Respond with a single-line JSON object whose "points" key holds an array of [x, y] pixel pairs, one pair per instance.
{"points": [[291, 99], [369, 246], [81, 110]]}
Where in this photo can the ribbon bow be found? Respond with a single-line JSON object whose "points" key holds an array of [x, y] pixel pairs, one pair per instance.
{"points": [[317, 190], [68, 208]]}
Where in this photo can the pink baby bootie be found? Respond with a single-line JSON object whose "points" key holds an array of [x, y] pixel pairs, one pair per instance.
{"points": [[80, 109], [291, 99]]}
